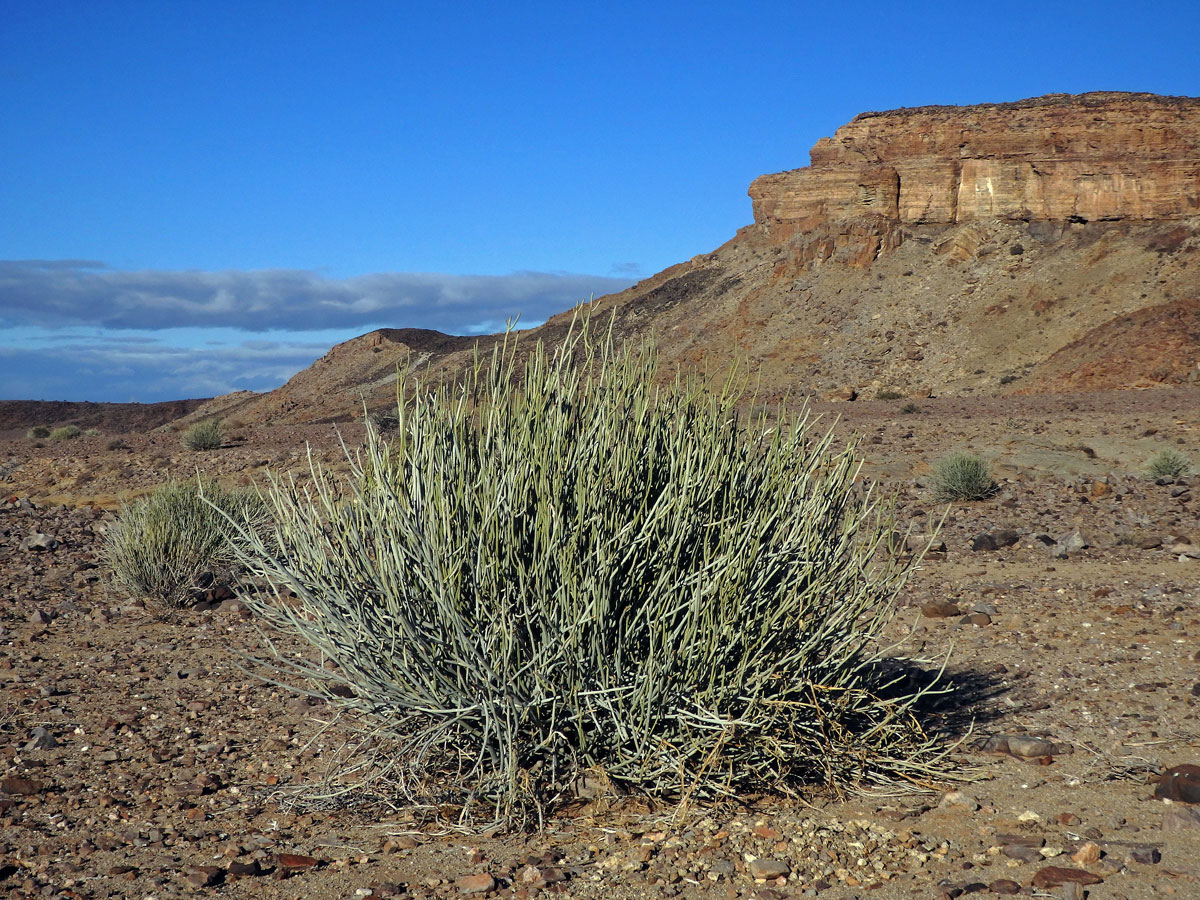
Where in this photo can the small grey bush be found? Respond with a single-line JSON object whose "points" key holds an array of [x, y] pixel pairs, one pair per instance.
{"points": [[37, 433], [962, 476], [65, 433], [568, 563], [206, 435], [1168, 463], [162, 544]]}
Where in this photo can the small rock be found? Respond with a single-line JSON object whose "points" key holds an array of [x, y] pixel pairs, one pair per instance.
{"points": [[1053, 876], [40, 617], [475, 884], [25, 787], [1147, 856], [996, 540], [1071, 542], [244, 870], [940, 609], [979, 619], [1179, 818], [400, 842], [767, 868], [203, 876], [959, 800], [1021, 852], [1004, 886], [291, 863], [1180, 784], [1019, 745], [1087, 854], [40, 739], [39, 542]]}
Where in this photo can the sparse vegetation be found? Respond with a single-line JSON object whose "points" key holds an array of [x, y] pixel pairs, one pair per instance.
{"points": [[65, 433], [37, 433], [91, 432], [591, 572], [910, 408], [1168, 463], [117, 444], [163, 544], [889, 395], [962, 476], [206, 435]]}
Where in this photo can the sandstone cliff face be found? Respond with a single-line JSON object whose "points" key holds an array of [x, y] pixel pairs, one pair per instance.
{"points": [[1100, 156]]}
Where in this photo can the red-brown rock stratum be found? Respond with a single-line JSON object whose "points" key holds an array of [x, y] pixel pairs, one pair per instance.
{"points": [[1037, 246]]}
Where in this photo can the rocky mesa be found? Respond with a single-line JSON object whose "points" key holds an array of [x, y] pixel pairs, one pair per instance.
{"points": [[1100, 156]]}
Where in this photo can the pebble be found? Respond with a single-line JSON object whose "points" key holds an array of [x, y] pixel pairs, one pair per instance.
{"points": [[1087, 854], [1146, 856], [1004, 886], [940, 609], [39, 542], [475, 884], [1179, 818], [1053, 876], [767, 868], [40, 738], [25, 787]]}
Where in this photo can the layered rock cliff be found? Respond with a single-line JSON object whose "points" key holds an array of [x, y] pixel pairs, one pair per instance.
{"points": [[1099, 156]]}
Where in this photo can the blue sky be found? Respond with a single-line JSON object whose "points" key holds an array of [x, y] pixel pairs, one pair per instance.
{"points": [[204, 196]]}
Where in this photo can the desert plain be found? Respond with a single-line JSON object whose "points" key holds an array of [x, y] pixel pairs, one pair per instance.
{"points": [[142, 759]]}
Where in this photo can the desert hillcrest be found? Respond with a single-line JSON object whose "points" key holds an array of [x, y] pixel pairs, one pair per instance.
{"points": [[1039, 246]]}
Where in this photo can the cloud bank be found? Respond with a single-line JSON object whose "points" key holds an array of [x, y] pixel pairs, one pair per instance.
{"points": [[78, 330], [135, 368], [59, 293]]}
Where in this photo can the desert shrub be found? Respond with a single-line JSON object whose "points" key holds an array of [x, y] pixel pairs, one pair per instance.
{"points": [[65, 433], [910, 408], [38, 432], [91, 432], [165, 543], [593, 571], [1168, 463], [117, 444], [962, 476], [888, 395], [206, 435]]}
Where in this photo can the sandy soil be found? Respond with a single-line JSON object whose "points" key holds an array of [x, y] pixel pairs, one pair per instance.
{"points": [[140, 760]]}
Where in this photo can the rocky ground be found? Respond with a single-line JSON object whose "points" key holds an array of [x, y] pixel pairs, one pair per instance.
{"points": [[139, 759]]}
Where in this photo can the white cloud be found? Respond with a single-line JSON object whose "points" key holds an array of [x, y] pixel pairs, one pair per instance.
{"points": [[58, 293]]}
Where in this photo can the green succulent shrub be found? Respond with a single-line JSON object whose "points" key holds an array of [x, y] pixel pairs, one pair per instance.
{"points": [[962, 476], [38, 432], [206, 435], [163, 545], [65, 433], [563, 565], [1168, 463]]}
